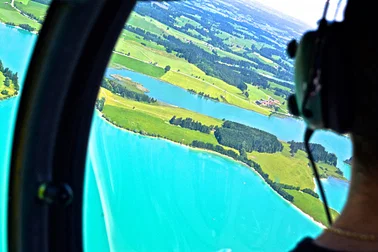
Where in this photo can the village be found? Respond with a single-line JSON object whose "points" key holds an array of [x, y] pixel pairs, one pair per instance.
{"points": [[270, 103]]}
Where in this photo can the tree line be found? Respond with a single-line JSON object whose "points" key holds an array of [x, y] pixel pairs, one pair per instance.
{"points": [[27, 27], [318, 152], [189, 123], [121, 89], [311, 192], [242, 137], [9, 76], [202, 94]]}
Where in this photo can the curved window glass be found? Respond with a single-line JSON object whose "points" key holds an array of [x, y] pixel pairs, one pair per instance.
{"points": [[20, 22], [192, 147]]}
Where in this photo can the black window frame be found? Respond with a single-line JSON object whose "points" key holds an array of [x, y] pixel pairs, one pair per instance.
{"points": [[54, 120]]}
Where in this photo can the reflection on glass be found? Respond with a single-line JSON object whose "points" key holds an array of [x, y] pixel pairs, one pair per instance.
{"points": [[20, 21]]}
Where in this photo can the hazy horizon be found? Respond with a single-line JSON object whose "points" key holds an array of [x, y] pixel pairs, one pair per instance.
{"points": [[307, 11]]}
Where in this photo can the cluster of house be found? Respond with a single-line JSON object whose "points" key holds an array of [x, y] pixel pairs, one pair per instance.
{"points": [[271, 103]]}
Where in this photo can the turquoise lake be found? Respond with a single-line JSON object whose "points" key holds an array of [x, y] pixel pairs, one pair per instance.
{"points": [[145, 194]]}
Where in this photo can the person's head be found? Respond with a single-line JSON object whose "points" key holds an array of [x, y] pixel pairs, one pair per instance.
{"points": [[344, 56]]}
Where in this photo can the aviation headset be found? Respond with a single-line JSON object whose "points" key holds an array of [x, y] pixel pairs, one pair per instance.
{"points": [[323, 81], [323, 78]]}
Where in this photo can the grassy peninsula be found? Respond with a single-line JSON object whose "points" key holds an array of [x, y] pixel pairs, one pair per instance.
{"points": [[283, 165]]}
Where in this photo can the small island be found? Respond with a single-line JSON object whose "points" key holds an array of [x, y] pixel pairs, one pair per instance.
{"points": [[348, 161], [9, 85], [282, 165]]}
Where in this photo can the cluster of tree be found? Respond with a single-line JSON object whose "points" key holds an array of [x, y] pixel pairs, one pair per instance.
{"points": [[122, 90], [239, 136], [189, 123], [167, 68], [318, 152], [9, 76], [338, 171], [100, 104], [216, 148], [281, 92], [202, 94], [4, 92], [311, 192], [278, 187], [27, 27]]}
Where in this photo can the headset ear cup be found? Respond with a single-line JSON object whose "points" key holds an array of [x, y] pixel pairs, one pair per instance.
{"points": [[293, 105]]}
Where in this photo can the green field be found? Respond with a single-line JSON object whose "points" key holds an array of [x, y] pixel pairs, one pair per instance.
{"points": [[37, 9], [256, 93], [10, 15], [144, 23], [156, 27], [130, 36], [234, 97], [326, 170], [162, 58], [23, 1], [138, 66], [164, 112], [274, 85], [311, 206], [139, 121], [283, 168], [182, 20]]}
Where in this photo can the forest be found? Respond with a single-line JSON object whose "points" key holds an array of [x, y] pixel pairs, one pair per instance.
{"points": [[242, 137], [318, 152], [189, 123]]}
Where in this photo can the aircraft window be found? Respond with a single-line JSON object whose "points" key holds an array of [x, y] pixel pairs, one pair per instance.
{"points": [[20, 22], [192, 146]]}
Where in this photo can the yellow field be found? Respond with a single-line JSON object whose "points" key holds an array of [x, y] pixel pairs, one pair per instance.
{"points": [[283, 168], [165, 112]]}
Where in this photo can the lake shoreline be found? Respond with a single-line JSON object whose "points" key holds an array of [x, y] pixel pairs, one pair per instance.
{"points": [[20, 28], [101, 115], [121, 67]]}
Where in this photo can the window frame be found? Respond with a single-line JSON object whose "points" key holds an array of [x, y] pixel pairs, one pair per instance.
{"points": [[54, 120]]}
